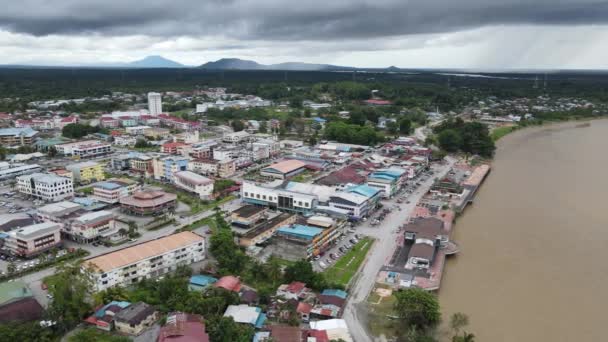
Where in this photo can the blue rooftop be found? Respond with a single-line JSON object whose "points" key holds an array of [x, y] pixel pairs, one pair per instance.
{"points": [[259, 323], [202, 280], [25, 131], [364, 190], [335, 293], [320, 120], [102, 312], [108, 185], [302, 231]]}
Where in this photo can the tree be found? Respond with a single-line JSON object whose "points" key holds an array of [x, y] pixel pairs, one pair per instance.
{"points": [[2, 152], [230, 258], [224, 329], [237, 125], [263, 127], [77, 130], [405, 126], [52, 152], [417, 308], [391, 127], [458, 321], [312, 141], [26, 331], [11, 268], [71, 289], [465, 337], [133, 229], [93, 334], [449, 140], [141, 143]]}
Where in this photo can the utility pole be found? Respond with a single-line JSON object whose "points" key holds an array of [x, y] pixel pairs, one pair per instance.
{"points": [[536, 82]]}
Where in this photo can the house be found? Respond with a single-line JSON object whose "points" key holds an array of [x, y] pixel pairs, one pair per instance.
{"points": [[200, 282], [17, 303], [103, 318], [296, 290], [183, 327], [230, 283], [425, 236], [247, 216], [135, 318], [87, 172], [246, 314], [303, 310], [389, 181], [336, 329]]}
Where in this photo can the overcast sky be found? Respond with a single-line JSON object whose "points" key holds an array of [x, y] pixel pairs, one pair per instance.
{"points": [[487, 34]]}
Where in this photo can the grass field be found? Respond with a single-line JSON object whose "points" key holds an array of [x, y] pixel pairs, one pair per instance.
{"points": [[500, 132], [346, 267]]}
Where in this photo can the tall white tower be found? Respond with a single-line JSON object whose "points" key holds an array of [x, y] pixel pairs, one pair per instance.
{"points": [[155, 103]]}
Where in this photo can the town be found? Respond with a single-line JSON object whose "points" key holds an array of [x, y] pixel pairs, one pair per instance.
{"points": [[289, 225]]}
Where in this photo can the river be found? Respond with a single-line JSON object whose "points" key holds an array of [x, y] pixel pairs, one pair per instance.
{"points": [[533, 264]]}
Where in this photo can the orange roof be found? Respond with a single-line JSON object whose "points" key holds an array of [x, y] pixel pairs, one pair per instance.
{"points": [[287, 166], [143, 251], [230, 283]]}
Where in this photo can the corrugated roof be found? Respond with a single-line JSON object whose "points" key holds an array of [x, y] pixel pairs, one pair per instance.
{"points": [[301, 230], [286, 166], [143, 251]]}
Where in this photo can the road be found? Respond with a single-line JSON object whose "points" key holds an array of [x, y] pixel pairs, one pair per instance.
{"points": [[381, 251]]}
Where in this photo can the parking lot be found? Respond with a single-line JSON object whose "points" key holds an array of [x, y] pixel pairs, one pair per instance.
{"points": [[341, 247]]}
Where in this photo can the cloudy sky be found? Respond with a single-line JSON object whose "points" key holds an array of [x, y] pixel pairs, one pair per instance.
{"points": [[486, 34]]}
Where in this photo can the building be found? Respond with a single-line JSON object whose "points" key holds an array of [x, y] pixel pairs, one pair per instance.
{"points": [[148, 203], [12, 221], [229, 283], [24, 136], [60, 212], [87, 172], [200, 282], [277, 198], [192, 182], [335, 329], [155, 104], [124, 140], [135, 318], [295, 290], [284, 169], [246, 314], [164, 168], [113, 190], [235, 137], [84, 149], [183, 327], [91, 226], [146, 260], [10, 171], [17, 303], [137, 130], [389, 181], [425, 236], [157, 132], [103, 318], [302, 241], [172, 147], [33, 240], [247, 216], [47, 187], [265, 230]]}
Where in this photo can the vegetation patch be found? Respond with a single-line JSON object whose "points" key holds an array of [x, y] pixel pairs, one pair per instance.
{"points": [[348, 265]]}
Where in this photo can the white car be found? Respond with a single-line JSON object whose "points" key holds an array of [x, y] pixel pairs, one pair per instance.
{"points": [[322, 265]]}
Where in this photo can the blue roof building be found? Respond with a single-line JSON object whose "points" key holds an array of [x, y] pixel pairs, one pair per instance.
{"points": [[299, 232], [200, 281], [335, 293]]}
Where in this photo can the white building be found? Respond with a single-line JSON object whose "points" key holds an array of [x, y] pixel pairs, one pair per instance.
{"points": [[192, 182], [235, 137], [155, 103], [84, 149], [34, 239], [47, 187], [91, 226], [137, 130], [146, 260]]}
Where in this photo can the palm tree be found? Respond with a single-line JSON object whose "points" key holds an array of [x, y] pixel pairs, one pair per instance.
{"points": [[466, 337], [11, 268]]}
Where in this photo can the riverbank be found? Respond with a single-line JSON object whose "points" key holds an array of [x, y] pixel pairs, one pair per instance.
{"points": [[538, 214], [500, 132]]}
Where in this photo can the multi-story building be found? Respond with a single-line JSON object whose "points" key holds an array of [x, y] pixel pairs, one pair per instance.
{"points": [[124, 140], [164, 168], [87, 172], [61, 213], [35, 239], [10, 171], [84, 149], [136, 130], [157, 132], [109, 122], [172, 147], [222, 168], [235, 137], [113, 190], [193, 182], [301, 241], [266, 229], [389, 181], [91, 226], [148, 203], [146, 260], [142, 164], [155, 103], [47, 187], [136, 318], [17, 136]]}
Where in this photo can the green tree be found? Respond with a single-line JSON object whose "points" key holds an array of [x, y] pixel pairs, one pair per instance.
{"points": [[141, 143], [26, 331], [417, 308], [2, 152], [391, 127], [230, 258], [449, 140], [93, 334], [224, 329], [71, 290], [465, 337], [263, 127], [405, 126], [237, 125], [52, 152], [11, 268]]}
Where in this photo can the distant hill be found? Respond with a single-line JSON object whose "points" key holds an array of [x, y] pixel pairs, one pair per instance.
{"points": [[243, 64], [154, 62]]}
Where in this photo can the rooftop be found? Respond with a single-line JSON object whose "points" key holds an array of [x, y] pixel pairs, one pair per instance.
{"points": [[58, 207], [10, 291], [135, 313], [18, 132], [286, 166], [143, 251], [245, 314], [183, 327], [302, 231], [35, 230], [193, 178], [248, 211]]}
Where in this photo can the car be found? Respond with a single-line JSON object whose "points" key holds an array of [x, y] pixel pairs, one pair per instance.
{"points": [[317, 258], [341, 249], [357, 236], [353, 241], [322, 265], [333, 256]]}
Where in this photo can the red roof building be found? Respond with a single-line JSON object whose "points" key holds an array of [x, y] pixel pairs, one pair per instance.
{"points": [[230, 283], [183, 327]]}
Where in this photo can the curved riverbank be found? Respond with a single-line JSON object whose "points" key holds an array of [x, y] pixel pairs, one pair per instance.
{"points": [[533, 244]]}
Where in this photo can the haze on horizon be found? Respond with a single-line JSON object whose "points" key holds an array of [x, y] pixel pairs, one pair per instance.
{"points": [[477, 34]]}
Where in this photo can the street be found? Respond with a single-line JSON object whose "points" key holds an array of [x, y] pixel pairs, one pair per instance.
{"points": [[380, 252]]}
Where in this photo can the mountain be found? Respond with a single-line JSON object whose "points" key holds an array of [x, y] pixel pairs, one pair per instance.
{"points": [[154, 62], [243, 64]]}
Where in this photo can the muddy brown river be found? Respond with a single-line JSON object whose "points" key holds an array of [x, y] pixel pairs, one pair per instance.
{"points": [[534, 245]]}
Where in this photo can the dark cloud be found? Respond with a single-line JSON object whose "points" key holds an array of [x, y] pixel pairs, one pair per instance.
{"points": [[288, 20]]}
